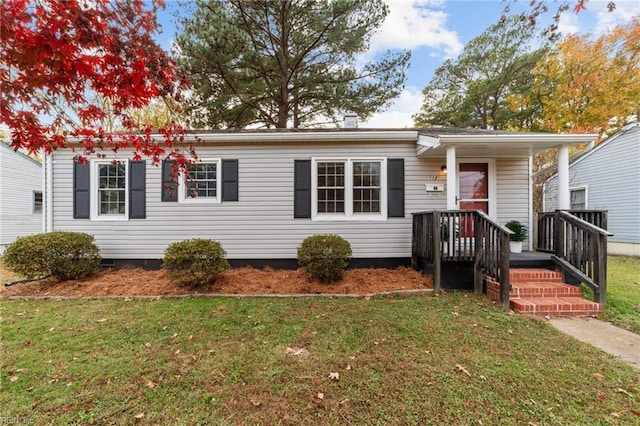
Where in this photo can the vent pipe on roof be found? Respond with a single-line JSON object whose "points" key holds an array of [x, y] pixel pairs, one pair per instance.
{"points": [[350, 121]]}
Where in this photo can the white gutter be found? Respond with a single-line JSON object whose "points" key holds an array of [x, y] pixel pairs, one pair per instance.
{"points": [[294, 136], [519, 137], [48, 190]]}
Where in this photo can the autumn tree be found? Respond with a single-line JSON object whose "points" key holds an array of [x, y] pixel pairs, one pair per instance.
{"points": [[285, 62], [472, 90], [589, 86], [540, 8], [68, 64]]}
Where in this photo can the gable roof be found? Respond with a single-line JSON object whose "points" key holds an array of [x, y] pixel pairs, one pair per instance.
{"points": [[578, 157], [5, 145]]}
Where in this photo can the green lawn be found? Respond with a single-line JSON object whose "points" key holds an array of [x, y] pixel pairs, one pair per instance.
{"points": [[450, 359], [623, 292]]}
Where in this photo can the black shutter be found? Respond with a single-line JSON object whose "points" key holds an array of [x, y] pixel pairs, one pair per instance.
{"points": [[302, 189], [395, 185], [137, 190], [81, 199], [169, 182], [229, 180]]}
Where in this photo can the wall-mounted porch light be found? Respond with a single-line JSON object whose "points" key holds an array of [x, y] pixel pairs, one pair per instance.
{"points": [[443, 170]]}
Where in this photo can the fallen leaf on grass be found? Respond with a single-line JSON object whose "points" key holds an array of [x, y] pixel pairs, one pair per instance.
{"points": [[320, 395], [297, 351], [101, 320], [462, 369], [13, 378], [348, 367], [256, 403], [636, 412], [150, 384], [139, 416], [620, 390], [598, 376], [344, 401], [334, 376]]}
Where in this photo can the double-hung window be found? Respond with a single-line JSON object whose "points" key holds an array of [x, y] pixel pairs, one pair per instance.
{"points": [[349, 188], [578, 198], [109, 194], [202, 183]]}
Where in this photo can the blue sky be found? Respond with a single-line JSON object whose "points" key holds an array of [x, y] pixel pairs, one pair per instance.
{"points": [[435, 30]]}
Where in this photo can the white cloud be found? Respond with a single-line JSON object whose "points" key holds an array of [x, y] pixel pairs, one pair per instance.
{"points": [[568, 23], [624, 12], [416, 23], [399, 114]]}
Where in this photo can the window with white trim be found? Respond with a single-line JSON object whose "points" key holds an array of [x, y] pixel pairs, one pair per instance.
{"points": [[110, 198], [202, 184], [578, 198], [350, 188]]}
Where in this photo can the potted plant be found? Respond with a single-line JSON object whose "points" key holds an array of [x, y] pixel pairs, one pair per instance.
{"points": [[518, 236]]}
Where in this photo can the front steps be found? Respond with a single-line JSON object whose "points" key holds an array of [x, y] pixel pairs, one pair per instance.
{"points": [[542, 292]]}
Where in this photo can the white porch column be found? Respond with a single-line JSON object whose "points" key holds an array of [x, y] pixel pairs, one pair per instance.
{"points": [[564, 202], [452, 171]]}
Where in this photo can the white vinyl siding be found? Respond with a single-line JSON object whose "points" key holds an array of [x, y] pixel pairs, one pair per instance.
{"points": [[261, 224], [513, 193], [20, 180]]}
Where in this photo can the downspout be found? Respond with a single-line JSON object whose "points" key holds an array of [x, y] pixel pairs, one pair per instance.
{"points": [[43, 219], [49, 193], [532, 235]]}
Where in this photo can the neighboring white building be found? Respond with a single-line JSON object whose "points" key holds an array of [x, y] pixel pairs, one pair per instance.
{"points": [[21, 195], [608, 178], [261, 192]]}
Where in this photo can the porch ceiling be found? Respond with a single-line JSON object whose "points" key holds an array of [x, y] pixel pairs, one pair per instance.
{"points": [[496, 144]]}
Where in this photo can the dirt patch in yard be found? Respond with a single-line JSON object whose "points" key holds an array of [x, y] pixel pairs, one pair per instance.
{"points": [[251, 281]]}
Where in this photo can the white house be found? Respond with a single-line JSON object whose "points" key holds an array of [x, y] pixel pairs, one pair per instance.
{"points": [[261, 192], [21, 195], [607, 178]]}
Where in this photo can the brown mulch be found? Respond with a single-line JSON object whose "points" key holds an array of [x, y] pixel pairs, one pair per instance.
{"points": [[246, 281]]}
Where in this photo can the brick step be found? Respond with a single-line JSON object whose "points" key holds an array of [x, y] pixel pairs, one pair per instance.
{"points": [[556, 306], [517, 275], [542, 292], [537, 289]]}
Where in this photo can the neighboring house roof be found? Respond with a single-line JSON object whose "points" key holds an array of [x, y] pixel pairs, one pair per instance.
{"points": [[5, 145], [578, 157]]}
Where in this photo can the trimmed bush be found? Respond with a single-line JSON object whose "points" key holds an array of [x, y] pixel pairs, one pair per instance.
{"points": [[324, 257], [196, 262], [60, 254]]}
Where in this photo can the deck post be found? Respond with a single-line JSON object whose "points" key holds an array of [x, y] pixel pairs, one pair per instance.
{"points": [[437, 252], [477, 270], [505, 285]]}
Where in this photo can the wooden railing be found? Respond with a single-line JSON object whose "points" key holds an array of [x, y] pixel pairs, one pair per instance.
{"points": [[492, 257], [462, 236], [547, 220], [580, 248]]}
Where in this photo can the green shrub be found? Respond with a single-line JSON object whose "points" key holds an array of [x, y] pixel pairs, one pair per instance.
{"points": [[196, 262], [60, 254], [324, 257]]}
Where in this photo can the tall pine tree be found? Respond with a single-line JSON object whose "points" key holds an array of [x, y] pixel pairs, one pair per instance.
{"points": [[283, 63]]}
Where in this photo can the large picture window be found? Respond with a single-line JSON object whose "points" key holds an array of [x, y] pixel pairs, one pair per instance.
{"points": [[202, 184], [349, 188]]}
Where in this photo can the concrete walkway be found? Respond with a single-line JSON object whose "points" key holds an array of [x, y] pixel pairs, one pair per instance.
{"points": [[603, 335]]}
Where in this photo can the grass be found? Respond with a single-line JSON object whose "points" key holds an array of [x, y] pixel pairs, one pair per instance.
{"points": [[451, 359], [623, 292]]}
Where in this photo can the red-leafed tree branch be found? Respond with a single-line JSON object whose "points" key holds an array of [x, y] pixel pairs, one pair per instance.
{"points": [[68, 65]]}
